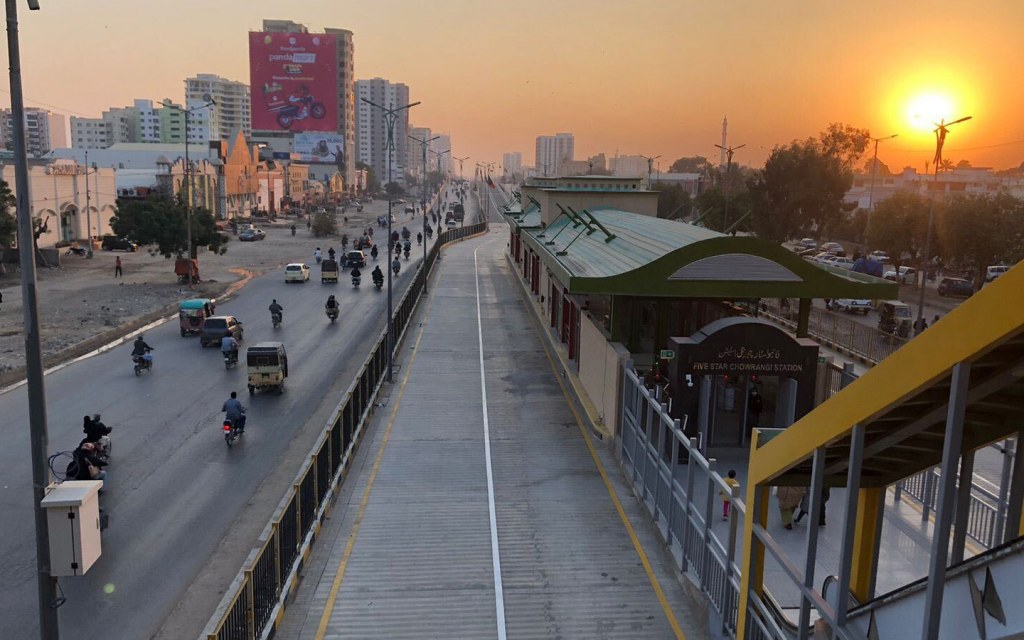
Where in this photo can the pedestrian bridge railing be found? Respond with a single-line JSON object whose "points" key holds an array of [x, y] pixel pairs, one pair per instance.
{"points": [[254, 603]]}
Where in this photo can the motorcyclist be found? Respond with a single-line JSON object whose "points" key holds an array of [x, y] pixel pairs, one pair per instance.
{"points": [[318, 255], [331, 302], [94, 429], [419, 239], [405, 233], [84, 458], [229, 346], [330, 253], [407, 247], [235, 411], [396, 264], [276, 309], [377, 275], [356, 274], [373, 251], [139, 348]]}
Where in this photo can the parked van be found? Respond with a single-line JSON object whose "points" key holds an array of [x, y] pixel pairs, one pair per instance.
{"points": [[993, 272]]}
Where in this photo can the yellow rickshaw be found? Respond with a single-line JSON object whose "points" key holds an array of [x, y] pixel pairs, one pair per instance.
{"points": [[329, 271], [267, 366]]}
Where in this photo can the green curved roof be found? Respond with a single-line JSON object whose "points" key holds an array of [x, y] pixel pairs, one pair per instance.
{"points": [[617, 252]]}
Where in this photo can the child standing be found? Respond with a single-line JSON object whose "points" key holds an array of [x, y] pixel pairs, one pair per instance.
{"points": [[730, 480]]}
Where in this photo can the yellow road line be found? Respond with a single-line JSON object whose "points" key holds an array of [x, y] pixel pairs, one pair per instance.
{"points": [[637, 546], [325, 618]]}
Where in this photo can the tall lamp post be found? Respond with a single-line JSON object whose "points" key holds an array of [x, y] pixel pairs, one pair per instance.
{"points": [[390, 118], [460, 161], [187, 186], [47, 588], [871, 189], [650, 161], [941, 129], [728, 170], [423, 203]]}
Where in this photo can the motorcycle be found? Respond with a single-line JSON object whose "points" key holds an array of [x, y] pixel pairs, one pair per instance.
{"points": [[373, 252], [419, 239], [230, 359], [143, 362], [77, 251], [332, 313], [355, 281], [395, 268], [231, 432], [275, 319], [379, 282], [300, 108], [406, 252]]}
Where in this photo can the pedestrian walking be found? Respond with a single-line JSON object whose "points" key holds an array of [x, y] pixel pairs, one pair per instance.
{"points": [[755, 405], [789, 499], [730, 479], [118, 273], [309, 223]]}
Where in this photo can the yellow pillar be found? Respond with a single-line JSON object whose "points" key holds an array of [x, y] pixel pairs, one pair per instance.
{"points": [[865, 544], [752, 575]]}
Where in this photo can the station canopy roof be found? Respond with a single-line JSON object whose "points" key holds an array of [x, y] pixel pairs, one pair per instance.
{"points": [[606, 251]]}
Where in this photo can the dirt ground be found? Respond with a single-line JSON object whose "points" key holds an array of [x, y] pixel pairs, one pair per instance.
{"points": [[81, 299]]}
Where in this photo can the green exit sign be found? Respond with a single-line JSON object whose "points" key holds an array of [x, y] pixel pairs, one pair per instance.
{"points": [[667, 354]]}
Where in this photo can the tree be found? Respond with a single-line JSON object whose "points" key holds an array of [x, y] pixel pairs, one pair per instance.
{"points": [[899, 225], [673, 200], [882, 168], [394, 189], [163, 222], [800, 190], [324, 224], [963, 164], [975, 231], [844, 142], [372, 183], [8, 217], [691, 164]]}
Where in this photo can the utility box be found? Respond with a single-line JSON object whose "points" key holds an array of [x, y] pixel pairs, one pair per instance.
{"points": [[73, 520]]}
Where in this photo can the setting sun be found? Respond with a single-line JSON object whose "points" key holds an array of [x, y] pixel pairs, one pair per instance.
{"points": [[926, 111]]}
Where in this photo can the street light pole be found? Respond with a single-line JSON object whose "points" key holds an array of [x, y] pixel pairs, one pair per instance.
{"points": [[650, 161], [461, 160], [941, 129], [871, 189], [728, 170], [187, 178], [423, 204], [88, 213], [390, 117], [49, 624]]}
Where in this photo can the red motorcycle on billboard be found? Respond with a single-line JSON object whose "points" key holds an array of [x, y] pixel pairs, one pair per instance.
{"points": [[298, 107]]}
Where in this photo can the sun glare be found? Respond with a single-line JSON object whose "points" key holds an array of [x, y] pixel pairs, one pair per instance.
{"points": [[925, 111]]}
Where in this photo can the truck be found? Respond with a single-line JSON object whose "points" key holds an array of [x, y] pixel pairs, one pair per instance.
{"points": [[458, 212]]}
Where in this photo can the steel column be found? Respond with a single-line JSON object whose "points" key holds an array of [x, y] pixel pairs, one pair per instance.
{"points": [[963, 506], [814, 513], [1014, 523], [943, 516], [849, 522]]}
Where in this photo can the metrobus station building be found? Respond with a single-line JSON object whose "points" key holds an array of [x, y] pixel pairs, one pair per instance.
{"points": [[656, 321]]}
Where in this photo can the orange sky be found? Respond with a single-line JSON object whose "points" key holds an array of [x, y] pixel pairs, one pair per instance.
{"points": [[637, 77]]}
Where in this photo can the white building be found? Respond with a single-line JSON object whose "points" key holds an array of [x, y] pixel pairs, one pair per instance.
{"points": [[964, 180], [414, 159], [552, 151], [372, 132], [512, 163], [44, 130], [442, 148], [629, 166], [232, 108]]}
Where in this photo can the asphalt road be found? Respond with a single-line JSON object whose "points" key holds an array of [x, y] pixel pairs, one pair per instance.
{"points": [[174, 488]]}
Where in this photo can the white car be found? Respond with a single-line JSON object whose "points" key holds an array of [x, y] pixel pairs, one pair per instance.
{"points": [[296, 272], [845, 263], [907, 275], [994, 271], [879, 256], [851, 305]]}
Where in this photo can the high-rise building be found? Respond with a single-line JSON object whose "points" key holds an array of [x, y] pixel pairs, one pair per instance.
{"points": [[442, 146], [44, 130], [320, 101], [231, 110], [552, 151], [414, 159], [512, 163], [372, 131]]}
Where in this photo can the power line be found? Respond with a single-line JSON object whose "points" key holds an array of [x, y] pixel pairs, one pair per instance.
{"points": [[52, 106]]}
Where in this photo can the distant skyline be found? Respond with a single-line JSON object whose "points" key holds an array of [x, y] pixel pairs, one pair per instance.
{"points": [[646, 77]]}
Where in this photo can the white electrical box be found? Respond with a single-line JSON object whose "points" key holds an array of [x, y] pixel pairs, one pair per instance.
{"points": [[73, 519]]}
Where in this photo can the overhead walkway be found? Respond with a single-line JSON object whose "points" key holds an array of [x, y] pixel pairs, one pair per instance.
{"points": [[480, 507], [954, 389]]}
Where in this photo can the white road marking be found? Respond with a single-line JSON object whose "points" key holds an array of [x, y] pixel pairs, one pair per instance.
{"points": [[499, 595]]}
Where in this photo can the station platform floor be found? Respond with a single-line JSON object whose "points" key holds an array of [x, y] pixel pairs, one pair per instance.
{"points": [[481, 505]]}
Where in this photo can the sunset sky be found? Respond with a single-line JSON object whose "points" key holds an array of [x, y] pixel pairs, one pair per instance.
{"points": [[630, 76]]}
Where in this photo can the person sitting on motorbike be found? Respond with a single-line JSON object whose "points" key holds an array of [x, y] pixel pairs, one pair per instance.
{"points": [[377, 274], [356, 274], [140, 348], [373, 251], [317, 255], [86, 465], [330, 253], [276, 309], [235, 411], [229, 346], [396, 264], [405, 233], [407, 246], [331, 302], [419, 239], [94, 429]]}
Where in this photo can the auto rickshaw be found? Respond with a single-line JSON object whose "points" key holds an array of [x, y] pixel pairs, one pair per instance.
{"points": [[181, 269], [192, 314], [329, 271], [267, 366]]}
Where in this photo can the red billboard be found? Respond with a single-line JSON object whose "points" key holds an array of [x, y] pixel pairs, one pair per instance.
{"points": [[293, 80]]}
